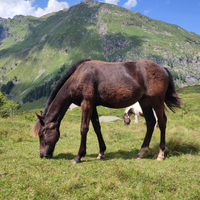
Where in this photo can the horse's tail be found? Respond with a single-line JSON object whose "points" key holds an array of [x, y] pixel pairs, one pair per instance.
{"points": [[171, 98], [61, 82]]}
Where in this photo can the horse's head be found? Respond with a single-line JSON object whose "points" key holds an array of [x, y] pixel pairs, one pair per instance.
{"points": [[127, 119], [48, 134]]}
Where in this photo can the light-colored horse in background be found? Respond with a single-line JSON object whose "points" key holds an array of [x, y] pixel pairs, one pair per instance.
{"points": [[136, 110]]}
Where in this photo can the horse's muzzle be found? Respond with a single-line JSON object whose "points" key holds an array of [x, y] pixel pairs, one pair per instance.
{"points": [[127, 122], [46, 156]]}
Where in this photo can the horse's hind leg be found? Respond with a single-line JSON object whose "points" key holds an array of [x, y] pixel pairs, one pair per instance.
{"points": [[150, 123], [97, 129], [162, 120], [159, 108]]}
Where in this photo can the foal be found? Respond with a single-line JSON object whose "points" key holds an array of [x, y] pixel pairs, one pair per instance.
{"points": [[90, 83]]}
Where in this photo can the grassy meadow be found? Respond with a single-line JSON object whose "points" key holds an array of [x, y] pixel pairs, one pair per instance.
{"points": [[23, 175]]}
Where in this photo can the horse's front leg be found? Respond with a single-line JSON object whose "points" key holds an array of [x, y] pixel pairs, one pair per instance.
{"points": [[97, 129], [87, 110], [136, 118]]}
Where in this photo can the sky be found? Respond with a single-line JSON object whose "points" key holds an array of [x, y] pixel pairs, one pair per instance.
{"points": [[184, 13]]}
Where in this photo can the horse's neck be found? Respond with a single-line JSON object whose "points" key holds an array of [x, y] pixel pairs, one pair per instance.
{"points": [[127, 109], [133, 109], [59, 106]]}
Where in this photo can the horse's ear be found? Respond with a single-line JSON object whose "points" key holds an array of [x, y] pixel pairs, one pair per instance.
{"points": [[40, 118], [41, 113]]}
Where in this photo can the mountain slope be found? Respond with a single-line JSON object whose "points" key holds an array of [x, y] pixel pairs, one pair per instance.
{"points": [[33, 50]]}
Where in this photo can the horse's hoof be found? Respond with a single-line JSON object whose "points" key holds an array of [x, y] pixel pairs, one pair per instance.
{"points": [[75, 161], [101, 157], [160, 158], [138, 157]]}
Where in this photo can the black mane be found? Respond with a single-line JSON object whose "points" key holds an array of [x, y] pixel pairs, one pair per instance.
{"points": [[61, 82]]}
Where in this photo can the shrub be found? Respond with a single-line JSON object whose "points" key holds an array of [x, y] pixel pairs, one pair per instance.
{"points": [[6, 106]]}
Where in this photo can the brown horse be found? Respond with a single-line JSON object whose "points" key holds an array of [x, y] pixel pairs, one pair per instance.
{"points": [[90, 83]]}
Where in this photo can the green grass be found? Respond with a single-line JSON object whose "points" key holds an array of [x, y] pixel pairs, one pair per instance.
{"points": [[33, 105], [190, 89], [23, 175]]}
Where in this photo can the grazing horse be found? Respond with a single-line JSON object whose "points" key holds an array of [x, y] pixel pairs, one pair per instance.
{"points": [[90, 83], [136, 110]]}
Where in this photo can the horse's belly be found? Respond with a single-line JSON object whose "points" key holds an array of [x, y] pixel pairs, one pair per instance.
{"points": [[119, 96]]}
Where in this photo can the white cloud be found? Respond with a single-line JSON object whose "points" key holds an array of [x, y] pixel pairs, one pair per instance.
{"points": [[53, 6], [112, 1], [10, 8], [130, 4], [146, 12]]}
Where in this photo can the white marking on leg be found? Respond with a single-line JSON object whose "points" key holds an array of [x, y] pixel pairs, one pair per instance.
{"points": [[161, 155], [100, 156]]}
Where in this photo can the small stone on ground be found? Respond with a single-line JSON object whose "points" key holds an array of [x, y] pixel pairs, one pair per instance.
{"points": [[108, 118]]}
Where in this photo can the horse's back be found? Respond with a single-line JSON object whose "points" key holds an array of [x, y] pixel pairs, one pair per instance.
{"points": [[108, 84], [119, 84]]}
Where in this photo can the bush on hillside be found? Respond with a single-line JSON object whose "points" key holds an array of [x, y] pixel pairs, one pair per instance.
{"points": [[7, 107], [7, 87]]}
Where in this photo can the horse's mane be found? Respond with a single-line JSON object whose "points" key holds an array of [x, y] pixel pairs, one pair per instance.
{"points": [[36, 128], [61, 82]]}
